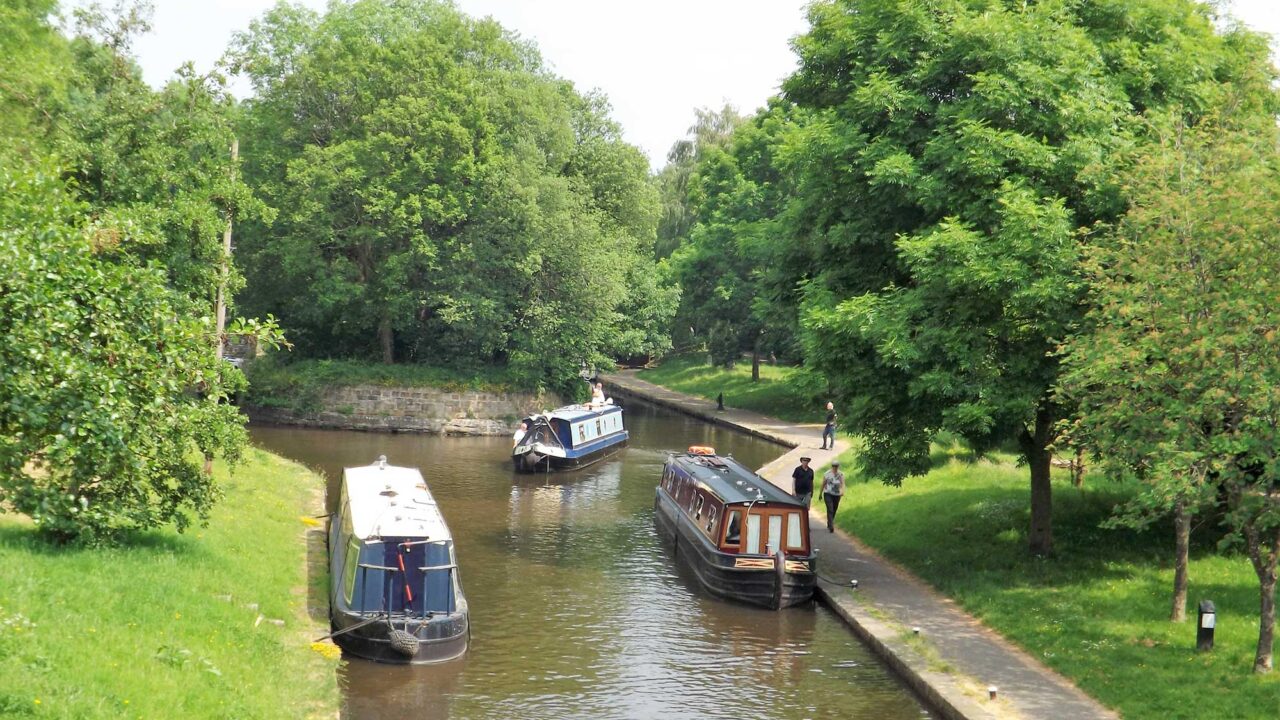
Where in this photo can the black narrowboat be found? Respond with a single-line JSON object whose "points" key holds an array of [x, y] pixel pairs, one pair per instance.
{"points": [[744, 538], [568, 438], [394, 591]]}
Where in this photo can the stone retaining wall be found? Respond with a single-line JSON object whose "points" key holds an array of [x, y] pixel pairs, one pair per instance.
{"points": [[421, 410]]}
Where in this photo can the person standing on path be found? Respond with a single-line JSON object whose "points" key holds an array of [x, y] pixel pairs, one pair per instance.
{"points": [[802, 482], [829, 430], [832, 491]]}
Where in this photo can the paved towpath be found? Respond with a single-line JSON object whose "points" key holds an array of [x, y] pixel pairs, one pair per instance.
{"points": [[954, 659]]}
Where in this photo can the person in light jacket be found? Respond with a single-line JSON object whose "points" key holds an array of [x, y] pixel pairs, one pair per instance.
{"points": [[832, 491]]}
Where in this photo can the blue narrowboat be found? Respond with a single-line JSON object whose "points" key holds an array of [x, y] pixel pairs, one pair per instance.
{"points": [[569, 437], [744, 538], [395, 595]]}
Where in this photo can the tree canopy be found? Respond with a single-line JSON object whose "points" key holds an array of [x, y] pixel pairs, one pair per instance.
{"points": [[443, 197], [956, 157]]}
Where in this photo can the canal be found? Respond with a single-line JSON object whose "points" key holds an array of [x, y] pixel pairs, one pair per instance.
{"points": [[577, 610]]}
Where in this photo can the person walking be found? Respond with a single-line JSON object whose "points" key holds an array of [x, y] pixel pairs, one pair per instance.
{"points": [[802, 482], [832, 491], [829, 430]]}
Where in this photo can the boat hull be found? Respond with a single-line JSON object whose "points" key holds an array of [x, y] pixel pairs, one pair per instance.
{"points": [[719, 573], [531, 461], [439, 639]]}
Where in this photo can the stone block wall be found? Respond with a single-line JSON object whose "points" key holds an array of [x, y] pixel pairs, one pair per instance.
{"points": [[422, 410]]}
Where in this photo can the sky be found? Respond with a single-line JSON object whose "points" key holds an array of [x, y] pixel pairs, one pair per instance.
{"points": [[656, 60]]}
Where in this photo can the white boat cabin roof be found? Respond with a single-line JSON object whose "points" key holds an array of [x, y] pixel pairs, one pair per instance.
{"points": [[389, 501]]}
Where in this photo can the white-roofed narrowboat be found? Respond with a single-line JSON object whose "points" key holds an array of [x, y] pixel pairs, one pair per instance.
{"points": [[395, 594], [744, 538], [569, 437]]}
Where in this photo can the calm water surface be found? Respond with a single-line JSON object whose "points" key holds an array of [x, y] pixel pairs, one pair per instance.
{"points": [[577, 610]]}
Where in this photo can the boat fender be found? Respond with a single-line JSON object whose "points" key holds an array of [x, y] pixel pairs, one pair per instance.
{"points": [[404, 642], [780, 576]]}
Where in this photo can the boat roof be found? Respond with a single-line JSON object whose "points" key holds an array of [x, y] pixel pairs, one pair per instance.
{"points": [[730, 480], [574, 413], [390, 501]]}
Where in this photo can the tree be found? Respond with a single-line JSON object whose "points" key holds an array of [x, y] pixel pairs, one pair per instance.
{"points": [[1178, 380], [955, 156], [444, 198], [711, 129], [109, 387], [734, 193]]}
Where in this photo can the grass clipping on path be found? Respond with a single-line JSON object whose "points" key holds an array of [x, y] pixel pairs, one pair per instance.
{"points": [[1098, 611], [169, 626]]}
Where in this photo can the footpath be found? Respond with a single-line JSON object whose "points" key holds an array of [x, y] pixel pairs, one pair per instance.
{"points": [[946, 655]]}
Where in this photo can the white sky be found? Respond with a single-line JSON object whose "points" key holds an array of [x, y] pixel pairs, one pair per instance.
{"points": [[656, 60]]}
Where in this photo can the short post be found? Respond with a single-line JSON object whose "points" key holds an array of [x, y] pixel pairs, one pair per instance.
{"points": [[1204, 628], [720, 402]]}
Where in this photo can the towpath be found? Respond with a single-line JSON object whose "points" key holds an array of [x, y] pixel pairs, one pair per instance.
{"points": [[954, 660]]}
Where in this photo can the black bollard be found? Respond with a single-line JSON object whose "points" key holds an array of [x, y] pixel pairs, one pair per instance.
{"points": [[720, 401], [1204, 628]]}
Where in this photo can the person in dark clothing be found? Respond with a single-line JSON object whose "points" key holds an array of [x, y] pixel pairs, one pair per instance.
{"points": [[802, 482], [829, 431]]}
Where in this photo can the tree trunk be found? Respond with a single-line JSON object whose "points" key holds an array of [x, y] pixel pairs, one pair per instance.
{"points": [[1182, 544], [1265, 566], [755, 365], [387, 340], [1035, 447]]}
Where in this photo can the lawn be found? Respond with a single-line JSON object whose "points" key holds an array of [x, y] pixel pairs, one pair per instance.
{"points": [[172, 626], [789, 393], [1097, 612]]}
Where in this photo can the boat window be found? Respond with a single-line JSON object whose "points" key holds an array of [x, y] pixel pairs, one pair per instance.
{"points": [[350, 563], [775, 533], [753, 533], [711, 519], [733, 530], [697, 508], [599, 430], [795, 539]]}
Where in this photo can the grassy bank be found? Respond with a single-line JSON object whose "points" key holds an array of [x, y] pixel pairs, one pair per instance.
{"points": [[168, 626], [789, 393], [1096, 612], [298, 386]]}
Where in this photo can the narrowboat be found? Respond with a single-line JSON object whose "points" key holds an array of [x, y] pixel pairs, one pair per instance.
{"points": [[394, 591], [744, 538], [570, 437]]}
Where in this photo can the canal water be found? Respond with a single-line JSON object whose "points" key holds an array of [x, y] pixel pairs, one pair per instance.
{"points": [[577, 610]]}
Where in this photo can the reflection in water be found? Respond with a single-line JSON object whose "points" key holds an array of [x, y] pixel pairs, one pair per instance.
{"points": [[577, 610]]}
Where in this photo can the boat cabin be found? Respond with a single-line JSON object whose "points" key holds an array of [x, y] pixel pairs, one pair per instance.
{"points": [[569, 437], [392, 557], [745, 539], [738, 511]]}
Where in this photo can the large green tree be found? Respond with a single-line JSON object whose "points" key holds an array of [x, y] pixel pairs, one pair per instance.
{"points": [[443, 198], [957, 154], [1178, 378], [736, 190], [109, 387]]}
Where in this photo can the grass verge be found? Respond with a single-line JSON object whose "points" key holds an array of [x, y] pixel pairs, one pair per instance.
{"points": [[169, 626], [788, 393], [1097, 612]]}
